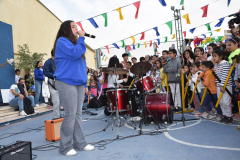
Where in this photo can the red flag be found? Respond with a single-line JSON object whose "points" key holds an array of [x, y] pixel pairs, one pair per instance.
{"points": [[156, 45], [107, 48], [194, 44], [80, 25], [205, 9], [143, 36], [137, 5], [184, 32], [129, 48], [150, 44]]}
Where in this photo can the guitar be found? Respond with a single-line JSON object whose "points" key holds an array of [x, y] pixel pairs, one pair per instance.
{"points": [[10, 61]]}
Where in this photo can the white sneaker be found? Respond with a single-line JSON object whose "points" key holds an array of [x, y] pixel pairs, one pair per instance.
{"points": [[23, 113], [204, 115], [89, 148], [36, 105], [43, 104], [72, 152], [35, 111]]}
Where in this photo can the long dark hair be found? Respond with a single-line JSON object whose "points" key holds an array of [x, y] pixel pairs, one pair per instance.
{"points": [[160, 63], [190, 54], [65, 31], [113, 62], [37, 64]]}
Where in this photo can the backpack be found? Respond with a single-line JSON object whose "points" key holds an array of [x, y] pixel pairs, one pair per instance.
{"points": [[94, 103], [28, 109]]}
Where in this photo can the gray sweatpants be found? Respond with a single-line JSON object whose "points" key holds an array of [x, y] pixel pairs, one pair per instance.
{"points": [[225, 102], [71, 129], [55, 100]]}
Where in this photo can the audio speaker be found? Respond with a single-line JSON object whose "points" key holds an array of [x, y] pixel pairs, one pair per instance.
{"points": [[52, 129]]}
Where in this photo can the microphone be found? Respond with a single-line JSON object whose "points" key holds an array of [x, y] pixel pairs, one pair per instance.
{"points": [[88, 35]]}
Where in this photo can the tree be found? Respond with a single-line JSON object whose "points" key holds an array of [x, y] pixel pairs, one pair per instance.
{"points": [[27, 59]]}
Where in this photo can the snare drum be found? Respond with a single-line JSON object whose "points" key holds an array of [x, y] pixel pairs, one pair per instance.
{"points": [[123, 102], [147, 84]]}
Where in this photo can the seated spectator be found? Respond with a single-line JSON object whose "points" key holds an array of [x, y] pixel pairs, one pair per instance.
{"points": [[17, 76], [16, 98], [28, 79], [86, 102]]}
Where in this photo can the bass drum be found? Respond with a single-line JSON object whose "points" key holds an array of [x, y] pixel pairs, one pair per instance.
{"points": [[158, 105]]}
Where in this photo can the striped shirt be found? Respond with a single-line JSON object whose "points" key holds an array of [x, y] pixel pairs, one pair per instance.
{"points": [[222, 70]]}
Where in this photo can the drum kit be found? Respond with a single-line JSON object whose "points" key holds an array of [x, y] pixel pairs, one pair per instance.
{"points": [[155, 106]]}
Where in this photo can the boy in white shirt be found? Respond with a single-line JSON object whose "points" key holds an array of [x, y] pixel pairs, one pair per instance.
{"points": [[17, 76]]}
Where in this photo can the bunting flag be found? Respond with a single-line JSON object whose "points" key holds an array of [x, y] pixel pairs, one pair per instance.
{"points": [[101, 53], [170, 26], [123, 43], [186, 17], [204, 35], [184, 32], [158, 41], [182, 2], [134, 46], [103, 57], [163, 3], [208, 26], [220, 22], [80, 25], [138, 45], [120, 13], [129, 54], [210, 33], [93, 22], [165, 39], [156, 29], [189, 40], [205, 10], [129, 48], [143, 36], [219, 39], [107, 48], [150, 44], [115, 45], [133, 40], [145, 44], [223, 38], [229, 1], [173, 36], [106, 59], [156, 45], [192, 30], [105, 17], [137, 5]]}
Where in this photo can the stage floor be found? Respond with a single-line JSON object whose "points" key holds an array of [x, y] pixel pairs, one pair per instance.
{"points": [[200, 139]]}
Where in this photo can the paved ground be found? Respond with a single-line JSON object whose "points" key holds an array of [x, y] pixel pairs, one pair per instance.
{"points": [[198, 140]]}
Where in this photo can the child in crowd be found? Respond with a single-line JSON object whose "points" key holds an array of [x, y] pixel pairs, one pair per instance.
{"points": [[234, 45], [94, 84], [88, 97], [209, 82], [17, 76], [210, 51], [165, 56], [188, 57], [222, 69], [186, 71], [173, 69], [199, 54]]}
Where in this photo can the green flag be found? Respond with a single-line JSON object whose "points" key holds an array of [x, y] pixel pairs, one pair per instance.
{"points": [[182, 2], [123, 44], [138, 45], [165, 39], [103, 57], [210, 33], [105, 16], [129, 54], [208, 26], [170, 26]]}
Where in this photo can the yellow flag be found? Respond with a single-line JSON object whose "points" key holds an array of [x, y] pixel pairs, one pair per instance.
{"points": [[218, 30], [189, 40], [133, 40], [186, 16], [173, 36], [145, 44], [105, 58], [120, 13], [223, 38]]}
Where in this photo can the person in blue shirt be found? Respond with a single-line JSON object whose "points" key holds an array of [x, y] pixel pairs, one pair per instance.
{"points": [[71, 79], [39, 77], [86, 104]]}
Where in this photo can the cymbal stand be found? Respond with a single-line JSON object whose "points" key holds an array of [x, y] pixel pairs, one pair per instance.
{"points": [[144, 115]]}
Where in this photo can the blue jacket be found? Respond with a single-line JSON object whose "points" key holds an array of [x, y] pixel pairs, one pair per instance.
{"points": [[70, 66], [86, 97], [38, 74], [49, 68]]}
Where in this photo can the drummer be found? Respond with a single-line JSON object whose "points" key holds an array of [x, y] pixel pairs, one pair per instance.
{"points": [[129, 75], [125, 59]]}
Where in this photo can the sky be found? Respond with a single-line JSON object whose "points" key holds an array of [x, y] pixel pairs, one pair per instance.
{"points": [[151, 14]]}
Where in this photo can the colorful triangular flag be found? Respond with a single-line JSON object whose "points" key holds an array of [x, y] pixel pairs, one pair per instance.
{"points": [[184, 33], [133, 39], [107, 48], [156, 29], [80, 25], [204, 35], [158, 41], [150, 44], [105, 17], [220, 22], [208, 26], [145, 44], [129, 48], [137, 5], [115, 45], [205, 10], [229, 1], [93, 22], [170, 26], [163, 3], [120, 13], [186, 17], [165, 39], [182, 2], [192, 30], [123, 43], [173, 36], [138, 45], [218, 30], [134, 46], [143, 36]]}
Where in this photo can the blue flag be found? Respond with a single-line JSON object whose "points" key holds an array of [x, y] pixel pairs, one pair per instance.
{"points": [[158, 41], [220, 22], [204, 35], [156, 29], [163, 3], [229, 1], [115, 45], [192, 30], [133, 46], [93, 22]]}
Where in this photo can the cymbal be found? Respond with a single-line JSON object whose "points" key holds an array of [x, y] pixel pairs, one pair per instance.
{"points": [[118, 71], [136, 68]]}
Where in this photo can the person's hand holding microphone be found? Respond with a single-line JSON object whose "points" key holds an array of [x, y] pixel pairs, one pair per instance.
{"points": [[81, 33]]}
